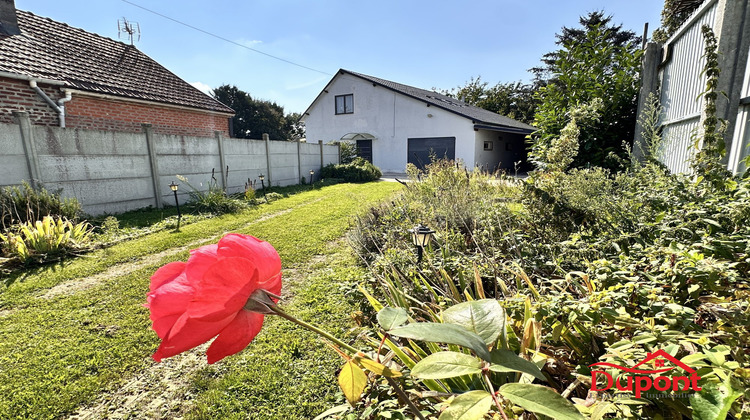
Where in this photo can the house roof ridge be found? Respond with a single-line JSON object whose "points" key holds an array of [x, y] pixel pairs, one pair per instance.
{"points": [[432, 97]]}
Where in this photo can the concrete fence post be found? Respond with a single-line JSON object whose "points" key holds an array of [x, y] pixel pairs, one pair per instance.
{"points": [[338, 146], [149, 132], [299, 160], [649, 84], [268, 157], [222, 159], [320, 142], [734, 44], [29, 148]]}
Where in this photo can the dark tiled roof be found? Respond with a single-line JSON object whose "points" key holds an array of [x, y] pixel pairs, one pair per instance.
{"points": [[476, 114], [86, 61]]}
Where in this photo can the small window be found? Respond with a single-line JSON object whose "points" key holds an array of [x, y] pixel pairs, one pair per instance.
{"points": [[345, 104], [488, 145]]}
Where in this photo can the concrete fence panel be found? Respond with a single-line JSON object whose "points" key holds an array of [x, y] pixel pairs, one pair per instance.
{"points": [[13, 165], [112, 172]]}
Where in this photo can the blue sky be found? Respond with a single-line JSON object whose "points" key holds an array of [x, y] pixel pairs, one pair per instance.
{"points": [[428, 44]]}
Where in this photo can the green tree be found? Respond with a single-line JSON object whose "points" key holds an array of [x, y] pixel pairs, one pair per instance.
{"points": [[515, 99], [253, 117], [673, 15], [598, 61], [613, 34]]}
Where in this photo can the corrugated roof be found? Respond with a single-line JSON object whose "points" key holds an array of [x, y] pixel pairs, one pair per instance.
{"points": [[476, 114], [86, 61]]}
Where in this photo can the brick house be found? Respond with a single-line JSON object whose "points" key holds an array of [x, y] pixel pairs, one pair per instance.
{"points": [[67, 77]]}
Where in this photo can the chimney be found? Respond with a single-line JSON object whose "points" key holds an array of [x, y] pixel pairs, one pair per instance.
{"points": [[8, 19]]}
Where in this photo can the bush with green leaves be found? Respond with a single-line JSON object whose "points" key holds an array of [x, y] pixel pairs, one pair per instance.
{"points": [[589, 267], [22, 204], [358, 170], [595, 64], [49, 238]]}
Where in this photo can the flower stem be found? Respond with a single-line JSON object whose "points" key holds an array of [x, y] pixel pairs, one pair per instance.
{"points": [[494, 396], [278, 311]]}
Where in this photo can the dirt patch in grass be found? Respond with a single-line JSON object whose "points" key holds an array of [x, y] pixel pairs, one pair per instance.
{"points": [[161, 391], [124, 269]]}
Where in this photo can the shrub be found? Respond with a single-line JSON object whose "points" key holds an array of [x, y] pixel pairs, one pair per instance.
{"points": [[359, 170], [24, 204], [589, 267], [52, 236], [215, 200]]}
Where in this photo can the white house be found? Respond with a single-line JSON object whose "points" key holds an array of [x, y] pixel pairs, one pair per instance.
{"points": [[394, 124]]}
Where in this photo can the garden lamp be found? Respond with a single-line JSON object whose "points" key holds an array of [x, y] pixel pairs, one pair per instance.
{"points": [[174, 187], [421, 236], [311, 175], [261, 177]]}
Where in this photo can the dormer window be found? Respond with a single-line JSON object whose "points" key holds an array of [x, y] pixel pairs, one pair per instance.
{"points": [[345, 104]]}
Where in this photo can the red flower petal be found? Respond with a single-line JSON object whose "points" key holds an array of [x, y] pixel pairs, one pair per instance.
{"points": [[235, 336], [261, 253], [168, 302], [166, 274], [188, 333], [224, 289], [201, 260]]}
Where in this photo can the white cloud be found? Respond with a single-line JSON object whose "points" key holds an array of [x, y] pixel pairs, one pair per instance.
{"points": [[202, 87], [248, 43]]}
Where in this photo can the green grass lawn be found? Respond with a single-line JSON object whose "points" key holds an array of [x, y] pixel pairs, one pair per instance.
{"points": [[61, 351]]}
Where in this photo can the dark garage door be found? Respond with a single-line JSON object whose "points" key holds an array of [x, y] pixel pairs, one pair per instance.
{"points": [[421, 150]]}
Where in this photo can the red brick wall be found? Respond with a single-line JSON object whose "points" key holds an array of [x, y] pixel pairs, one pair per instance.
{"points": [[104, 114], [16, 95]]}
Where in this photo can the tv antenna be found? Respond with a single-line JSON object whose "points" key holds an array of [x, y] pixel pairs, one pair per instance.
{"points": [[131, 30]]}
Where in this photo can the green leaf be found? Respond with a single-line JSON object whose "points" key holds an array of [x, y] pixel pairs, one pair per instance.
{"points": [[714, 401], [472, 405], [390, 318], [446, 364], [485, 317], [540, 400], [352, 381], [507, 361], [331, 411], [443, 333]]}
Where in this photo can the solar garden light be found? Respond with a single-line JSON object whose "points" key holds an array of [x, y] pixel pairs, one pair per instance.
{"points": [[261, 177], [421, 236], [174, 187], [311, 175]]}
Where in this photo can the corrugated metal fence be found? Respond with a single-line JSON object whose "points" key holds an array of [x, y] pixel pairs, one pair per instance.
{"points": [[681, 86], [676, 68]]}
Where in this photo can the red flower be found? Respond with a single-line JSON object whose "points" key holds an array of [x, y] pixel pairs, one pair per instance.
{"points": [[193, 302]]}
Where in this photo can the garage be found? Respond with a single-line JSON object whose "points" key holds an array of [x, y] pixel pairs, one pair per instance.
{"points": [[420, 150]]}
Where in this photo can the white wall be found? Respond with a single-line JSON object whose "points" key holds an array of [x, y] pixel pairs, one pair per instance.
{"points": [[389, 116]]}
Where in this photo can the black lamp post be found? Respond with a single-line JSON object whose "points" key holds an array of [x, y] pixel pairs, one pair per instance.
{"points": [[311, 175], [421, 236], [261, 177], [173, 186]]}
